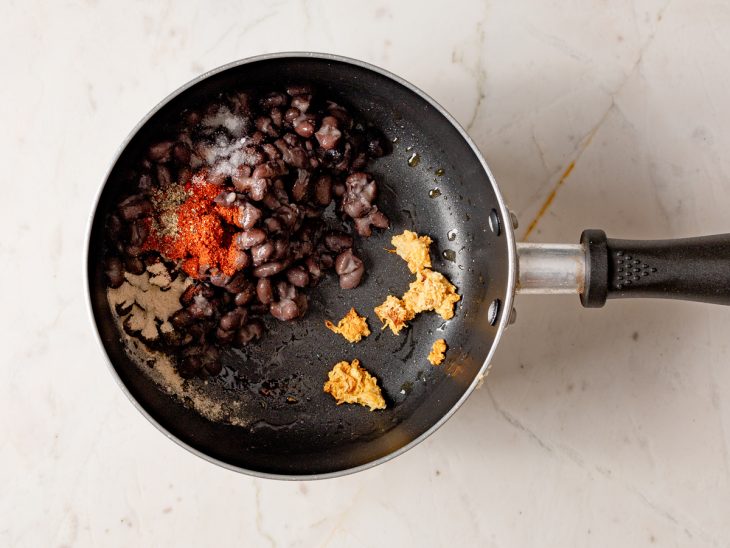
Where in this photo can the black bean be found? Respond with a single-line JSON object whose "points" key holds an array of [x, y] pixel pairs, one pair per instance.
{"points": [[281, 249], [284, 310], [250, 238], [254, 188], [343, 117], [265, 125], [134, 207], [262, 253], [184, 175], [301, 102], [272, 153], [350, 269], [226, 198], [338, 189], [188, 366], [218, 278], [138, 232], [273, 168], [300, 250], [338, 241], [181, 319], [160, 152], [114, 272], [250, 215], [133, 250], [276, 116], [323, 190], [315, 272], [273, 225], [299, 89], [291, 114], [278, 189], [373, 218], [300, 188], [201, 307], [114, 228], [302, 304], [245, 296], [223, 336], [263, 291], [273, 99], [298, 276], [134, 265], [238, 260], [175, 338], [326, 261], [268, 269], [145, 183], [214, 367], [164, 178], [304, 126], [359, 161], [231, 320], [181, 153], [197, 332], [290, 216], [237, 283], [252, 156], [328, 135], [258, 308], [285, 291], [253, 330]]}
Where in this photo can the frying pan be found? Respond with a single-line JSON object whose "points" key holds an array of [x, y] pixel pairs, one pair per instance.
{"points": [[293, 429]]}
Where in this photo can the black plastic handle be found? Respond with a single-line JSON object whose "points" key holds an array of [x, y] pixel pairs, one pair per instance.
{"points": [[692, 269]]}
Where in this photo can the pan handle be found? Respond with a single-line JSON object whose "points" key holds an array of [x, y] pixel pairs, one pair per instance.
{"points": [[599, 268]]}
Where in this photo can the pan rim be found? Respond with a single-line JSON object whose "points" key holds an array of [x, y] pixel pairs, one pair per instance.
{"points": [[507, 231]]}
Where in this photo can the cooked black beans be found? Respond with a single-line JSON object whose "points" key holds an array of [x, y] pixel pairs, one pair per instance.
{"points": [[280, 159], [262, 253], [250, 238], [263, 291], [350, 269], [284, 310], [268, 269], [114, 272], [298, 276]]}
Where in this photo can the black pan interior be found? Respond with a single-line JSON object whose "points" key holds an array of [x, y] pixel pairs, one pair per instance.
{"points": [[296, 429]]}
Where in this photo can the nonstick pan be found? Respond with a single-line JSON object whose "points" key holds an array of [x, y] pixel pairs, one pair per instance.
{"points": [[295, 430]]}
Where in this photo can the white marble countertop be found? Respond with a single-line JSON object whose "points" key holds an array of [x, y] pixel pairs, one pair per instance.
{"points": [[595, 427]]}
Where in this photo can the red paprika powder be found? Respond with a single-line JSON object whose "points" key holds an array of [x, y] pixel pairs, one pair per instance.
{"points": [[202, 238]]}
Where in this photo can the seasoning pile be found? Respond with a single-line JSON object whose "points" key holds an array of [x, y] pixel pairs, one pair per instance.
{"points": [[230, 209]]}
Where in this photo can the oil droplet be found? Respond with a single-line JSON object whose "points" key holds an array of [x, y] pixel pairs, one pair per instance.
{"points": [[414, 159], [434, 193], [451, 235], [440, 172], [449, 255]]}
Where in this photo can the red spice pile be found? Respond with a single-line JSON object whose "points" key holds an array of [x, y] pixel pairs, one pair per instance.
{"points": [[203, 238]]}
